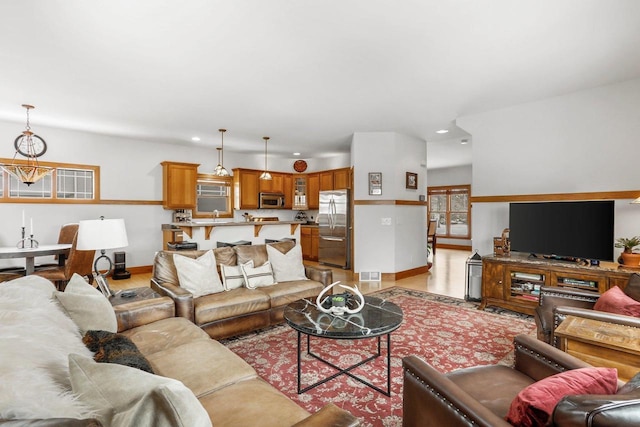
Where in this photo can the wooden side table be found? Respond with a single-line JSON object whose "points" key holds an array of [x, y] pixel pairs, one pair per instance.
{"points": [[602, 344], [142, 293]]}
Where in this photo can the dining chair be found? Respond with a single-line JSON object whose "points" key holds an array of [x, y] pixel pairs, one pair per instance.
{"points": [[67, 234], [80, 262], [431, 235]]}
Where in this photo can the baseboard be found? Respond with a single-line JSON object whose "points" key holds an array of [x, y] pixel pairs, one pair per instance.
{"points": [[140, 270], [449, 246], [406, 273]]}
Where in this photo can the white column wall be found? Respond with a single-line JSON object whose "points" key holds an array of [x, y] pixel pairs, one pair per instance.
{"points": [[585, 141], [401, 245]]}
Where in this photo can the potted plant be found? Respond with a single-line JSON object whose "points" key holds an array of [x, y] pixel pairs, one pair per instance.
{"points": [[628, 257]]}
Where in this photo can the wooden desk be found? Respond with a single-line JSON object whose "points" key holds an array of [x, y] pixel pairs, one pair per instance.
{"points": [[602, 344], [29, 254]]}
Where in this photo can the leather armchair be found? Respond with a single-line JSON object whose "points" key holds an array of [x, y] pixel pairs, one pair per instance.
{"points": [[550, 311], [481, 396]]}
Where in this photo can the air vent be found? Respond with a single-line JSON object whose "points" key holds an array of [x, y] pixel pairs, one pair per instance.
{"points": [[370, 276]]}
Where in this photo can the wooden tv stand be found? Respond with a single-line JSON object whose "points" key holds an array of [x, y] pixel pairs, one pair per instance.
{"points": [[513, 281]]}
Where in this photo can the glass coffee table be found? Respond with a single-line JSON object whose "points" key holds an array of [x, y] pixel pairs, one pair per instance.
{"points": [[377, 318]]}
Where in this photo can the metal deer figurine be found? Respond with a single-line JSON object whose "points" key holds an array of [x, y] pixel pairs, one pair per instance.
{"points": [[339, 311]]}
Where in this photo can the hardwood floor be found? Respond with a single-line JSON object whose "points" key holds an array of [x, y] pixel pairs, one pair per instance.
{"points": [[446, 277]]}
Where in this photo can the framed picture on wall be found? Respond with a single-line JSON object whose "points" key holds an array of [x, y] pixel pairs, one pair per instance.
{"points": [[412, 181], [375, 183]]}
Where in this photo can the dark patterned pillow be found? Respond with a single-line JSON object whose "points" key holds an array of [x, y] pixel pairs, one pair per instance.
{"points": [[115, 348]]}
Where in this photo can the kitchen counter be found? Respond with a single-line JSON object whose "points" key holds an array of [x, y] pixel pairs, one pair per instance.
{"points": [[210, 225]]}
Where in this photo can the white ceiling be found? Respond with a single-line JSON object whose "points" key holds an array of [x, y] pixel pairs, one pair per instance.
{"points": [[306, 73]]}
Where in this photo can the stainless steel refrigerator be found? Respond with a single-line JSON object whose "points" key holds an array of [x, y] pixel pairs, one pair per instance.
{"points": [[334, 223]]}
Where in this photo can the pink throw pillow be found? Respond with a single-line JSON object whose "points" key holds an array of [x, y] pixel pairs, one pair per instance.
{"points": [[534, 405], [616, 301]]}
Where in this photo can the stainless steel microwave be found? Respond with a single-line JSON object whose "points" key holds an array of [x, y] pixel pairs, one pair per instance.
{"points": [[271, 201]]}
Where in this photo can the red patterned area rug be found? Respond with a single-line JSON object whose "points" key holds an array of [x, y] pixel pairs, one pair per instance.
{"points": [[446, 332]]}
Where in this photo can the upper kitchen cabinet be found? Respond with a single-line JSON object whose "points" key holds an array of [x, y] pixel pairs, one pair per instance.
{"points": [[326, 180], [299, 192], [335, 179], [273, 185], [313, 190], [342, 179], [246, 186], [287, 186], [179, 185]]}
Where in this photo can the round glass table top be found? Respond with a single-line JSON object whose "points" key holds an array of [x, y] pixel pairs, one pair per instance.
{"points": [[377, 317]]}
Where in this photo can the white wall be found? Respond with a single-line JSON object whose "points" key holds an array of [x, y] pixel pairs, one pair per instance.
{"points": [[129, 170], [401, 245], [581, 142]]}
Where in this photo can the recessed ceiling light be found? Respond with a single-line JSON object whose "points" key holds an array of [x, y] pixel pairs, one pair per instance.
{"points": [[296, 154], [195, 138], [464, 142], [442, 131]]}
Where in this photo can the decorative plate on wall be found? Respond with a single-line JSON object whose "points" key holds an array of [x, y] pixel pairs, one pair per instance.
{"points": [[300, 166]]}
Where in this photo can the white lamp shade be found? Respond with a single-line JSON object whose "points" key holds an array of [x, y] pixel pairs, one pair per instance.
{"points": [[98, 234]]}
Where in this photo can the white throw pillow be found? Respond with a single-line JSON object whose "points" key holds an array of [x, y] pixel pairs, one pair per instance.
{"points": [[87, 306], [125, 396], [198, 276], [287, 267], [259, 276], [232, 277]]}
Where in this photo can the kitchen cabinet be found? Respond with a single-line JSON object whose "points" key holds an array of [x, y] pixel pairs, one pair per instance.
{"points": [[326, 180], [179, 185], [313, 190], [335, 179], [309, 241], [342, 179], [273, 185], [287, 186], [299, 192], [246, 186]]}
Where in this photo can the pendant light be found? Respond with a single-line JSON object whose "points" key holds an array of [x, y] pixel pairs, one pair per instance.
{"points": [[31, 146], [265, 175], [220, 170]]}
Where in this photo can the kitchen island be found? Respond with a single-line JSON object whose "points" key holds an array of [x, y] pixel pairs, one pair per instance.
{"points": [[207, 233]]}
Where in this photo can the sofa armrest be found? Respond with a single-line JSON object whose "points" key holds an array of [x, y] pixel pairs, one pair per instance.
{"points": [[620, 410], [138, 313], [182, 298], [553, 296], [329, 416], [539, 360], [432, 399], [322, 275]]}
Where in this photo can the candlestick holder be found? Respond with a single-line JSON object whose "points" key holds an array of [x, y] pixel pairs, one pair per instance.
{"points": [[27, 242]]}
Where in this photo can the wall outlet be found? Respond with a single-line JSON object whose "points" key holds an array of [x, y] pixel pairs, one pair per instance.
{"points": [[385, 221]]}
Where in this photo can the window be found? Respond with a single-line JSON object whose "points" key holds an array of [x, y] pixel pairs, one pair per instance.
{"points": [[67, 183], [213, 193], [450, 207]]}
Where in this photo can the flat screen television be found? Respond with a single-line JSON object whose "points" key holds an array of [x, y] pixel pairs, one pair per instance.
{"points": [[563, 229]]}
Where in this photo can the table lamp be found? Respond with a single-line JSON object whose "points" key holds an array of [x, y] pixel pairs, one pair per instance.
{"points": [[101, 234]]}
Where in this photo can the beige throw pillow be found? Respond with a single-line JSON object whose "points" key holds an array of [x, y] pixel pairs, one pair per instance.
{"points": [[199, 276], [87, 306], [259, 276], [125, 396], [232, 277], [287, 267]]}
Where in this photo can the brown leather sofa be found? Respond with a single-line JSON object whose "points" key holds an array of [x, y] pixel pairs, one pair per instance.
{"points": [[558, 302], [240, 310], [481, 396], [228, 388]]}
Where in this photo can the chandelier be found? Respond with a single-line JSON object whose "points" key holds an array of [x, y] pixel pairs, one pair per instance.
{"points": [[265, 175], [31, 146], [220, 170]]}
